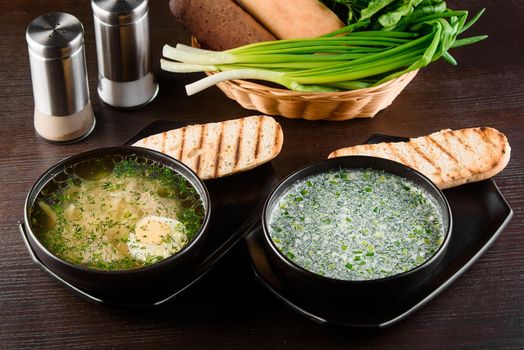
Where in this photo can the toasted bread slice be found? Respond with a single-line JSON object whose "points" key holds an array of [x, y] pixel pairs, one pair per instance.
{"points": [[449, 158], [219, 149]]}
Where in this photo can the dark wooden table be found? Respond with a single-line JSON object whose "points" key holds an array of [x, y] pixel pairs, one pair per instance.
{"points": [[228, 309]]}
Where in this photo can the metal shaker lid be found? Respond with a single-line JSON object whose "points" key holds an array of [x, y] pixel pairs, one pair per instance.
{"points": [[55, 35], [119, 12]]}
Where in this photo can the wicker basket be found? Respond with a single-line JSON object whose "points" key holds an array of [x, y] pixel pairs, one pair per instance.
{"points": [[336, 106]]}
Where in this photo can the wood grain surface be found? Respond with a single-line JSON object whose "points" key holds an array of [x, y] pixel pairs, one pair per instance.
{"points": [[484, 309]]}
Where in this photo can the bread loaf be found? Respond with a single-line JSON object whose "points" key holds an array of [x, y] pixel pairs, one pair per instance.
{"points": [[449, 158], [290, 19], [219, 149], [218, 24]]}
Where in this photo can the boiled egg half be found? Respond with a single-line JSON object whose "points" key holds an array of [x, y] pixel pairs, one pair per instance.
{"points": [[156, 238]]}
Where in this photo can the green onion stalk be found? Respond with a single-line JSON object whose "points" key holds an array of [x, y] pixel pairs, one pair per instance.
{"points": [[347, 59]]}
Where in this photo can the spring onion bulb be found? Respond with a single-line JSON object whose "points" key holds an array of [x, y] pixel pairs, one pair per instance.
{"points": [[343, 60]]}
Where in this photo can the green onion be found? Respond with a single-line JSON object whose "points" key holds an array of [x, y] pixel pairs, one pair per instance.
{"points": [[349, 58]]}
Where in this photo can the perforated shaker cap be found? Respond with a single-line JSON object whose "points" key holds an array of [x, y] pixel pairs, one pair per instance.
{"points": [[55, 35]]}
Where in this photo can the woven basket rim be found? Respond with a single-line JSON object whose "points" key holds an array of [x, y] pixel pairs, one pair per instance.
{"points": [[285, 93]]}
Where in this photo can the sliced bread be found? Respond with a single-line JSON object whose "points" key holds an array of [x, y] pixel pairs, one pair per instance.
{"points": [[449, 158], [219, 149]]}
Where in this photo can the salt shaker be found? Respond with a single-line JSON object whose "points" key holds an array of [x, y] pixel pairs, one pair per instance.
{"points": [[124, 52], [63, 110]]}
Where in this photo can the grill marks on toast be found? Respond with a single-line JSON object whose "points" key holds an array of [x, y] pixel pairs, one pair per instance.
{"points": [[228, 151], [259, 136], [239, 143], [190, 146], [199, 156], [396, 154], [442, 149], [460, 140], [181, 148], [461, 152], [219, 149], [449, 158], [414, 155], [251, 135], [207, 149], [483, 136], [427, 165], [453, 167]]}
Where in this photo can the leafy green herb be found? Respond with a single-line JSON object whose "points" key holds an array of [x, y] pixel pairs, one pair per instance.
{"points": [[392, 18], [192, 220], [373, 7]]}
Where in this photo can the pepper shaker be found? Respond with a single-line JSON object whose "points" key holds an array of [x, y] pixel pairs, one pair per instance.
{"points": [[124, 52], [63, 111]]}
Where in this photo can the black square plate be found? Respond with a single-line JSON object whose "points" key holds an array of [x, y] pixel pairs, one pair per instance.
{"points": [[480, 213]]}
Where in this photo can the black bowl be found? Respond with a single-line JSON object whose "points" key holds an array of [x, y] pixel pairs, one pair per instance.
{"points": [[143, 283], [309, 285]]}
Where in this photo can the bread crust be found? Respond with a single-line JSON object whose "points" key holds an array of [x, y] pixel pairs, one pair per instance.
{"points": [[290, 19], [220, 149], [218, 24], [449, 158]]}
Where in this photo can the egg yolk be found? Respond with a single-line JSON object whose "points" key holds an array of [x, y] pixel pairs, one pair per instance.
{"points": [[150, 230]]}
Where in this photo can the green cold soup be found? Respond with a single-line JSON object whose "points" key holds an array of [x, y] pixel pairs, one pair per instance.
{"points": [[356, 224]]}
